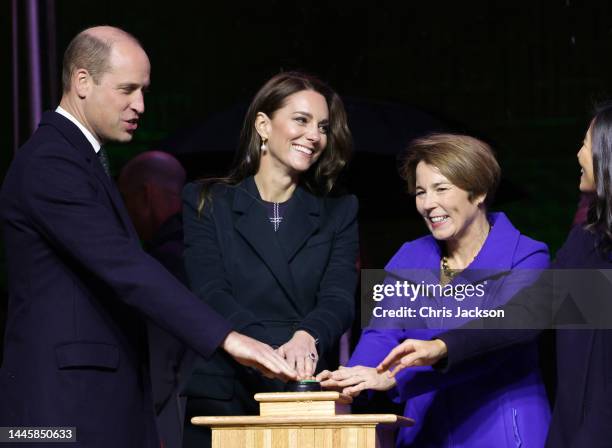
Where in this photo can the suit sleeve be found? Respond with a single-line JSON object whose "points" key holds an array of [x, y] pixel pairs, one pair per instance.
{"points": [[205, 265], [335, 308], [412, 382], [61, 196], [530, 310]]}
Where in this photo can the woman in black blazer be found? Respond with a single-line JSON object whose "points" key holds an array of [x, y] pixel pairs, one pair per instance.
{"points": [[269, 248]]}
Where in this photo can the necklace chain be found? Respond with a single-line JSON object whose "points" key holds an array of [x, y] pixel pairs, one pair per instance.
{"points": [[448, 273]]}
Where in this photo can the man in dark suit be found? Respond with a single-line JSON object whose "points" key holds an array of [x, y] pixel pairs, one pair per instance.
{"points": [[79, 283], [151, 184]]}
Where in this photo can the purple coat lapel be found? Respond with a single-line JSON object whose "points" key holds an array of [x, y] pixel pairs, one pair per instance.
{"points": [[497, 253]]}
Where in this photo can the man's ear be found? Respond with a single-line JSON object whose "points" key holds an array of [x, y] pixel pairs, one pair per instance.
{"points": [[262, 125], [82, 80]]}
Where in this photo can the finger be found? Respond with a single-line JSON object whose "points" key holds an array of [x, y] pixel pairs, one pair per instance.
{"points": [[268, 368], [353, 391], [343, 374], [397, 368], [270, 375], [329, 384], [350, 381], [418, 358], [300, 366], [309, 367], [277, 365], [290, 358], [313, 367], [393, 357], [324, 375]]}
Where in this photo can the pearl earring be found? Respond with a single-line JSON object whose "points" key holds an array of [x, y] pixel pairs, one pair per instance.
{"points": [[264, 147]]}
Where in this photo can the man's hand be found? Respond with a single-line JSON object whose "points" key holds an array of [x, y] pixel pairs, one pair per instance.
{"points": [[301, 354], [352, 380], [252, 353], [413, 352]]}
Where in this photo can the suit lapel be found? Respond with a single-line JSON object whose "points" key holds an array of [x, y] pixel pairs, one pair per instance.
{"points": [[253, 225], [84, 148], [115, 198], [301, 220]]}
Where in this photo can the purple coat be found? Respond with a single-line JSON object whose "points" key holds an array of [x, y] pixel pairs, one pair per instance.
{"points": [[500, 402]]}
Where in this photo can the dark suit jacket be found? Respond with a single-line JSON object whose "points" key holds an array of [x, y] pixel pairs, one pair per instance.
{"points": [[270, 284], [582, 415], [75, 348], [171, 361]]}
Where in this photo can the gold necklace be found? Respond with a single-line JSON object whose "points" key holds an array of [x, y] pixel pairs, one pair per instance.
{"points": [[449, 273]]}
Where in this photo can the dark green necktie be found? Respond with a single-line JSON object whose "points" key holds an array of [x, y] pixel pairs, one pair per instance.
{"points": [[103, 157]]}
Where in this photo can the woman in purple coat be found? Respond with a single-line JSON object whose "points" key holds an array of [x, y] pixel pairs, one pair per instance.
{"points": [[502, 402], [582, 416]]}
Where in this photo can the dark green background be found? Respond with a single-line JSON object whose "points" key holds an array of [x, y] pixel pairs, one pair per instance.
{"points": [[522, 75]]}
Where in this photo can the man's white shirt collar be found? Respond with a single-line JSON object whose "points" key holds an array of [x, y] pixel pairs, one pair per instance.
{"points": [[88, 135]]}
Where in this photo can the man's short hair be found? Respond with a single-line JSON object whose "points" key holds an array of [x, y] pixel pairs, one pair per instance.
{"points": [[88, 52], [92, 53]]}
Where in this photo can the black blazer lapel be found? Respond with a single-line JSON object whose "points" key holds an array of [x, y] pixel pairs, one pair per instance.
{"points": [[84, 148], [301, 220], [253, 225]]}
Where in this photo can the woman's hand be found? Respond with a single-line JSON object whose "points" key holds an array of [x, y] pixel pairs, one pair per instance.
{"points": [[411, 353], [352, 380], [301, 354]]}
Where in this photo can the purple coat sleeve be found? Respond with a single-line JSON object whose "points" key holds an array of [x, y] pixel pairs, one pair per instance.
{"points": [[374, 345]]}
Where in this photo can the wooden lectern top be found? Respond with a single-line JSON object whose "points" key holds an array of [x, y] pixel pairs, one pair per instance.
{"points": [[302, 420], [305, 420], [298, 396]]}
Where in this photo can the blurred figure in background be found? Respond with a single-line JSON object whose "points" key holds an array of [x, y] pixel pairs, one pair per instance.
{"points": [[151, 185]]}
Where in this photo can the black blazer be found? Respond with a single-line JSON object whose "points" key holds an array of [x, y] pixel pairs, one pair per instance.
{"points": [[270, 284], [582, 415], [80, 285]]}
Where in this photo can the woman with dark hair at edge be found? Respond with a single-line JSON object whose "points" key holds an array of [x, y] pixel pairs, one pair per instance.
{"points": [[270, 248], [500, 403], [582, 415]]}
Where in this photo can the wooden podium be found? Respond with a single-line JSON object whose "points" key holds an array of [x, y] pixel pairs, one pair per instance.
{"points": [[302, 420]]}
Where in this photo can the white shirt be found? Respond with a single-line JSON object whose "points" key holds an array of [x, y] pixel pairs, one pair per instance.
{"points": [[88, 135]]}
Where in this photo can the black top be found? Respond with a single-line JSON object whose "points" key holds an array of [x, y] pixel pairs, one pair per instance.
{"points": [[276, 211]]}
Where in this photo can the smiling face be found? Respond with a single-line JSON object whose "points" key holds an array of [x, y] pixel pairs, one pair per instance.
{"points": [[296, 133], [585, 159], [112, 107], [446, 208]]}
